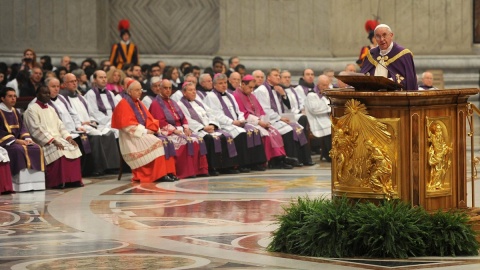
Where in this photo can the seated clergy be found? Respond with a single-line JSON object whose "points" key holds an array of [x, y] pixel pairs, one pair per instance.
{"points": [[221, 151], [318, 112], [254, 114], [5, 175], [189, 161], [60, 150], [427, 81], [179, 94], [232, 120], [101, 101], [152, 92], [104, 150], [70, 120], [140, 148], [26, 157], [273, 98]]}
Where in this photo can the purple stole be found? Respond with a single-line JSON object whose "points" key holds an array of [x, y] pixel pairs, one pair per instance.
{"points": [[225, 109], [305, 89], [273, 104], [296, 96], [101, 106], [298, 134], [232, 151], [167, 144], [171, 120], [253, 136], [83, 138], [201, 93], [168, 114], [82, 99], [250, 103]]}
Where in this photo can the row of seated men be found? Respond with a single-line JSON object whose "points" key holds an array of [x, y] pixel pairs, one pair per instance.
{"points": [[221, 133]]}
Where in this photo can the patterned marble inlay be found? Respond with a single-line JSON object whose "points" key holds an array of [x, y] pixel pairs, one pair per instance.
{"points": [[124, 261], [266, 183]]}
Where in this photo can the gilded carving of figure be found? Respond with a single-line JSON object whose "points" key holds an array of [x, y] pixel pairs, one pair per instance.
{"points": [[343, 145], [380, 169], [438, 158]]}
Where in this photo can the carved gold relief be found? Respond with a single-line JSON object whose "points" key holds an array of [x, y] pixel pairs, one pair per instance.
{"points": [[439, 155], [364, 153]]}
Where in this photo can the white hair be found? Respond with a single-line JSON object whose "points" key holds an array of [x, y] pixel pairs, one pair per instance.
{"points": [[383, 26], [155, 79]]}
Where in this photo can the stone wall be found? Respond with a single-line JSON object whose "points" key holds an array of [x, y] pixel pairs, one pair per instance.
{"points": [[290, 34], [279, 28]]}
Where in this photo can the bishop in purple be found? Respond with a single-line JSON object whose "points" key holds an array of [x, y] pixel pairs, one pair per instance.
{"points": [[390, 60], [26, 158]]}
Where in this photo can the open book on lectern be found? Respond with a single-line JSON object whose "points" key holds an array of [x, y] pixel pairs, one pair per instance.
{"points": [[362, 82]]}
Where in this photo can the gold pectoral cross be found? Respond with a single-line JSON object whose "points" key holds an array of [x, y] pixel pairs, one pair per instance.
{"points": [[399, 78], [384, 58]]}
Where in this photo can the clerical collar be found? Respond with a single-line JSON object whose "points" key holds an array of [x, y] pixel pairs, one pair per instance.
{"points": [[41, 104], [385, 52], [4, 107], [102, 91], [53, 98], [72, 94]]}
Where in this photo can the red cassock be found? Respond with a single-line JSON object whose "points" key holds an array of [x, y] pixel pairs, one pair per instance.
{"points": [[142, 152]]}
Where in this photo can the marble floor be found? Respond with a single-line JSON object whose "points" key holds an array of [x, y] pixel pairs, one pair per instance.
{"points": [[221, 222]]}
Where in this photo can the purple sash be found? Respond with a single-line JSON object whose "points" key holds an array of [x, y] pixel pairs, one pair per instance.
{"points": [[54, 107], [193, 114], [296, 97], [232, 150], [319, 93], [201, 143], [273, 104], [168, 114], [138, 115], [82, 99], [254, 137], [305, 89], [168, 146], [64, 101], [201, 93], [224, 105], [101, 106], [83, 138], [85, 143], [298, 134], [171, 120], [216, 140]]}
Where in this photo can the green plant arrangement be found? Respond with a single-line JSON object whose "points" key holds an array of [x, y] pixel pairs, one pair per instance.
{"points": [[393, 229], [451, 235]]}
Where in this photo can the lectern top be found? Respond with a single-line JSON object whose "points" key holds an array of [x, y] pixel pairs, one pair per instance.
{"points": [[369, 83]]}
